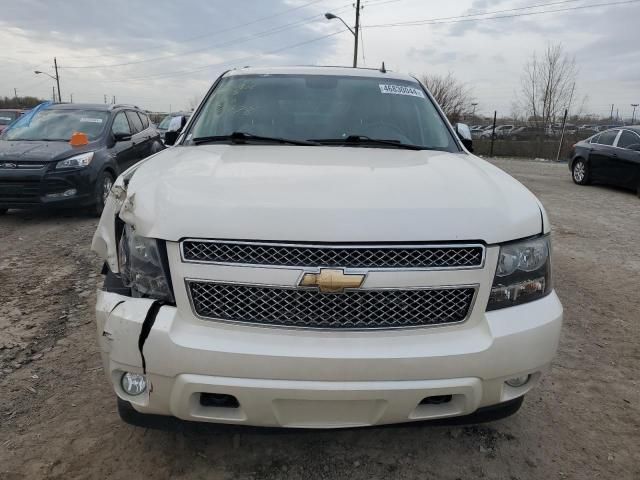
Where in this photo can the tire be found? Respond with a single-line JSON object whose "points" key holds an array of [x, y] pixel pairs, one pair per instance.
{"points": [[103, 187], [3, 211], [580, 172]]}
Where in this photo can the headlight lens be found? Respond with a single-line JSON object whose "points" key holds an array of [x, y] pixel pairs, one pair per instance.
{"points": [[523, 273], [142, 267], [77, 161]]}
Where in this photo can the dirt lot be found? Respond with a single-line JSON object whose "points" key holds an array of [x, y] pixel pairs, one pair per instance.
{"points": [[58, 419]]}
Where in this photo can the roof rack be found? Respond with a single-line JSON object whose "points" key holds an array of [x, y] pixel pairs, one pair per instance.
{"points": [[121, 105]]}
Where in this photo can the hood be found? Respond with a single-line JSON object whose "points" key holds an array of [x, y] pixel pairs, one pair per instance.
{"points": [[38, 151], [327, 194]]}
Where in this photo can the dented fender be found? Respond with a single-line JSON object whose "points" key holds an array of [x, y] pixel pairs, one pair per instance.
{"points": [[119, 322]]}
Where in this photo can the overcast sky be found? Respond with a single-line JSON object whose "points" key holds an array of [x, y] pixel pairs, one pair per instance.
{"points": [[162, 54]]}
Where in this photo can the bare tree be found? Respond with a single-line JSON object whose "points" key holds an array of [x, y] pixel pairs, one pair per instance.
{"points": [[548, 84], [454, 97]]}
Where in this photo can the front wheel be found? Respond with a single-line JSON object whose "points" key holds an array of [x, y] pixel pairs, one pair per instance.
{"points": [[580, 172], [103, 187]]}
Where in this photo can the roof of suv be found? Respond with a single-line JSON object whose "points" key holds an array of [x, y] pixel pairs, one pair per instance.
{"points": [[89, 106], [310, 70]]}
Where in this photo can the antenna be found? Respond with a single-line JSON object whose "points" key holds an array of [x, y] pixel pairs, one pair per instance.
{"points": [[383, 69]]}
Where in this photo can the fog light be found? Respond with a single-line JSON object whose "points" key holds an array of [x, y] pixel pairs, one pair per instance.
{"points": [[133, 383], [518, 381]]}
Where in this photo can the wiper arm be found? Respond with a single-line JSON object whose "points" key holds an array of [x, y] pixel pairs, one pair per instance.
{"points": [[364, 140], [243, 137]]}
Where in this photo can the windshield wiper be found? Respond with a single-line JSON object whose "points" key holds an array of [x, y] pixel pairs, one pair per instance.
{"points": [[364, 140], [242, 137]]}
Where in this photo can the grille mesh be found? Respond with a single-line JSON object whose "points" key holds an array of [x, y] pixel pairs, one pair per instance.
{"points": [[314, 256], [357, 309]]}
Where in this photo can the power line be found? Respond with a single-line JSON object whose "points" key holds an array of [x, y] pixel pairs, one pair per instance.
{"points": [[235, 41], [217, 32], [480, 14], [461, 18], [227, 62]]}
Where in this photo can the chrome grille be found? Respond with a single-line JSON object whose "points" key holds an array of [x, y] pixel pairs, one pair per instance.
{"points": [[11, 165], [308, 308], [300, 255]]}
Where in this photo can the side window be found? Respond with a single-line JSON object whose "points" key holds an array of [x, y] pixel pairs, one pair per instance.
{"points": [[628, 138], [595, 139], [135, 121], [608, 137], [120, 125], [144, 119]]}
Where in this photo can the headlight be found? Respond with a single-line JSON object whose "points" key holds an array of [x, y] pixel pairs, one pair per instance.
{"points": [[142, 267], [523, 273], [77, 161]]}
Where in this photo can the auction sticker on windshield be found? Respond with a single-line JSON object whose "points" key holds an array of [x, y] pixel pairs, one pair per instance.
{"points": [[91, 120], [401, 90]]}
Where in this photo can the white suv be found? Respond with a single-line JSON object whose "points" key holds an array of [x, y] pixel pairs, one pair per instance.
{"points": [[319, 249]]}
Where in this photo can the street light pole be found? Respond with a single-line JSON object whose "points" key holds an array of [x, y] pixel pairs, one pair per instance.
{"points": [[633, 116], [355, 32], [56, 78], [355, 45], [55, 64], [473, 114]]}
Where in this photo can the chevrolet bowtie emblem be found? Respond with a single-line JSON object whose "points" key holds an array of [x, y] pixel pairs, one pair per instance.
{"points": [[331, 280]]}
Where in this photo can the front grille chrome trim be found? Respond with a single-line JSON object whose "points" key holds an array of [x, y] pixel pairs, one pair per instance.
{"points": [[469, 312], [341, 246]]}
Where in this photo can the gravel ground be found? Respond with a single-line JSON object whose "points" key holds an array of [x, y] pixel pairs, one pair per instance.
{"points": [[58, 418]]}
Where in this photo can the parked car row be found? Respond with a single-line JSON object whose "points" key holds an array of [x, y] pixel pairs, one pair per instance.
{"points": [[8, 116], [514, 132]]}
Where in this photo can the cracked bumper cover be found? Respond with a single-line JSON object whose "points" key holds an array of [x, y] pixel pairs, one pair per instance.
{"points": [[324, 380]]}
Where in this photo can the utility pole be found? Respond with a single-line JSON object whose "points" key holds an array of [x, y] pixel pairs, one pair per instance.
{"points": [[633, 115], [55, 64], [71, 98], [105, 98], [357, 29], [493, 132], [612, 105], [473, 114], [113, 100], [15, 93], [564, 122]]}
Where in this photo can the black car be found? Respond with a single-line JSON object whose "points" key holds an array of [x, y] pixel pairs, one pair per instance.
{"points": [[611, 157], [174, 122], [42, 165]]}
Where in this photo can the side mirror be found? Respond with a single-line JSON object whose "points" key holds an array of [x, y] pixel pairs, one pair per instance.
{"points": [[171, 137], [122, 137], [464, 134]]}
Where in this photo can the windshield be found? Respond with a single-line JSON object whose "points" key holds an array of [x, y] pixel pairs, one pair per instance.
{"points": [[59, 124], [7, 117], [318, 107]]}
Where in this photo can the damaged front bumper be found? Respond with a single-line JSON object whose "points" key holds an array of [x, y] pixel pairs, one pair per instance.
{"points": [[319, 380]]}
